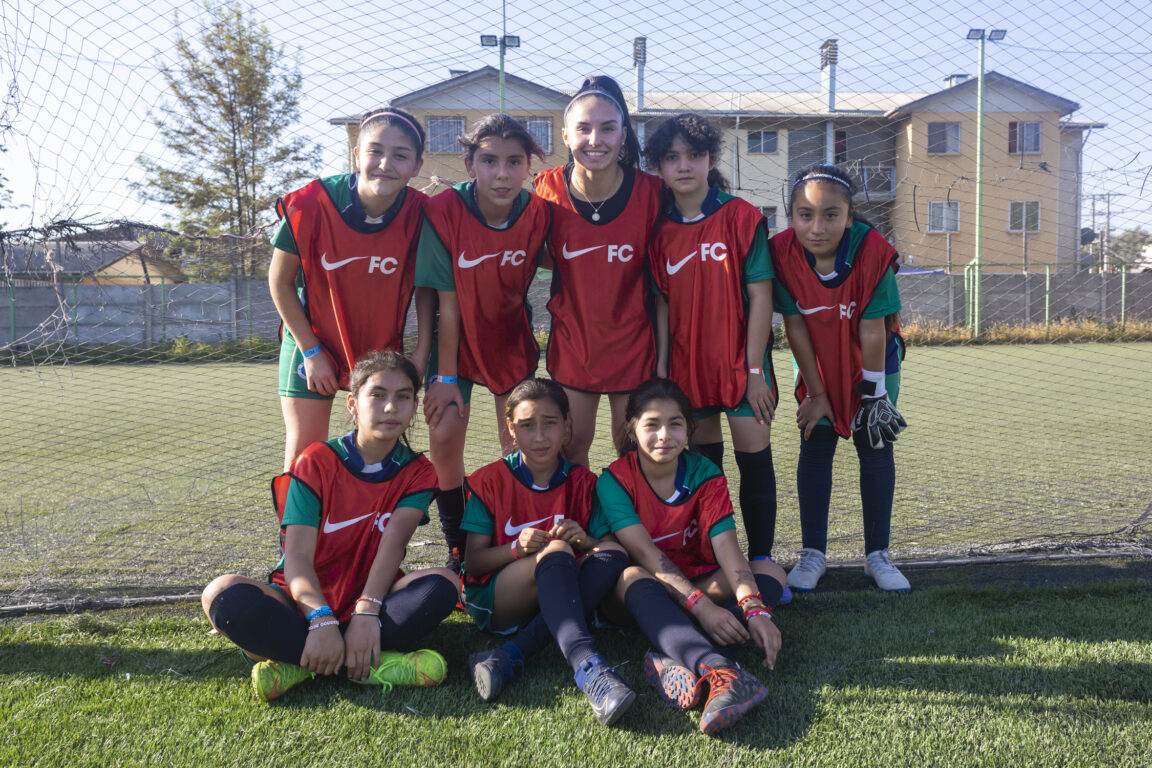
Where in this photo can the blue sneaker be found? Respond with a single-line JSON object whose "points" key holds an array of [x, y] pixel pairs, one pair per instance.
{"points": [[608, 694], [786, 596], [491, 671]]}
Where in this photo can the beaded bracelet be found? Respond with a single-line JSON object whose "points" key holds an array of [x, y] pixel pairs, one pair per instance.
{"points": [[369, 613], [757, 612], [323, 624], [320, 612], [746, 598], [312, 352], [693, 598]]}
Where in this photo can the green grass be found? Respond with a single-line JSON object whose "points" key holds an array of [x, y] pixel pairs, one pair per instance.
{"points": [[971, 669], [137, 479]]}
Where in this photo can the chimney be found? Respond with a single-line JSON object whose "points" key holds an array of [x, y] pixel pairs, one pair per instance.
{"points": [[639, 58], [829, 52], [954, 80]]}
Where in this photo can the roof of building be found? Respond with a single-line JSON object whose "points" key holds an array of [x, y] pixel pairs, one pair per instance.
{"points": [[771, 103], [991, 80], [74, 258]]}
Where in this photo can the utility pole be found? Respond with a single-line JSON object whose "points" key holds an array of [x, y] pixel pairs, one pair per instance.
{"points": [[1095, 234], [1106, 246]]}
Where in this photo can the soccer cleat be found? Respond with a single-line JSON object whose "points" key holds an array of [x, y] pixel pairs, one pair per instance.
{"points": [[272, 679], [608, 694], [418, 669], [888, 578], [675, 683], [807, 571], [491, 671], [732, 692]]}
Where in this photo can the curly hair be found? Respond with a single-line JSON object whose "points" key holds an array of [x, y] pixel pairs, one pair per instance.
{"points": [[697, 131]]}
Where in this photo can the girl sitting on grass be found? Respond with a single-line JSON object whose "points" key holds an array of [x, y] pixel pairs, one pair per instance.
{"points": [[338, 603]]}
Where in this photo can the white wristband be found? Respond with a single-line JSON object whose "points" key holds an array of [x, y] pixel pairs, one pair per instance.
{"points": [[877, 378]]}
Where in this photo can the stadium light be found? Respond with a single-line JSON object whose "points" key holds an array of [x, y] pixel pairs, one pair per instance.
{"points": [[978, 262], [511, 41], [503, 41], [489, 41]]}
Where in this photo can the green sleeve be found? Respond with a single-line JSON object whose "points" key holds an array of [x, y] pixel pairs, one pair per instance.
{"points": [[758, 263], [301, 505], [885, 299], [433, 262], [782, 300], [726, 523], [477, 518], [420, 500], [615, 510], [283, 238]]}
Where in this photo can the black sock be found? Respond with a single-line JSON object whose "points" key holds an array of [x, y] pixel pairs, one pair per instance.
{"points": [[451, 505], [598, 575], [558, 591], [713, 451], [669, 628], [758, 500], [877, 486], [410, 614], [814, 486], [259, 623]]}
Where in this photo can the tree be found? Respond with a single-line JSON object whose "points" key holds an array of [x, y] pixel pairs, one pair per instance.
{"points": [[235, 97], [1129, 247]]}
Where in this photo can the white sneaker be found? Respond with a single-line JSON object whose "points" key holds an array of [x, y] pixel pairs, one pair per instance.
{"points": [[879, 566], [807, 571]]}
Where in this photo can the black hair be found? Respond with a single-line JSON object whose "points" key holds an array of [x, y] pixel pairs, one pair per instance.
{"points": [[371, 363], [601, 86], [832, 175], [502, 127], [654, 389], [698, 132], [537, 389], [399, 118]]}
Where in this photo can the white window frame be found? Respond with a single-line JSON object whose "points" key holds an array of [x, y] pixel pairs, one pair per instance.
{"points": [[760, 142], [770, 214], [445, 139], [541, 130], [1023, 209], [1030, 129], [943, 213], [951, 138]]}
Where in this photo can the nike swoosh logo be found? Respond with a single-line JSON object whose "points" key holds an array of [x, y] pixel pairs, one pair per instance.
{"points": [[812, 310], [573, 254], [668, 536], [331, 265], [330, 527], [674, 268], [514, 530], [466, 263]]}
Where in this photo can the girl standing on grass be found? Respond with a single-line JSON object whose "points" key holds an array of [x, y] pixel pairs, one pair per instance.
{"points": [[345, 252], [532, 572], [709, 258], [601, 340], [479, 248], [338, 603], [670, 509], [836, 288]]}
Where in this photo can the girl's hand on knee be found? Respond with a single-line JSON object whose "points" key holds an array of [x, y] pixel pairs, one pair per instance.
{"points": [[439, 398], [532, 540], [811, 411], [362, 646], [759, 396], [766, 635], [720, 625], [570, 531]]}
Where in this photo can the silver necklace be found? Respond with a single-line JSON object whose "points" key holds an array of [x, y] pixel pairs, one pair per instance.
{"points": [[595, 208]]}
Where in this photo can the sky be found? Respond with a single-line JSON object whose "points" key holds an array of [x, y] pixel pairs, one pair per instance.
{"points": [[82, 78]]}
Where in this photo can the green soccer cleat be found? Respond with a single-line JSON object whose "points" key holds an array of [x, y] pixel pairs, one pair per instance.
{"points": [[272, 679], [418, 669]]}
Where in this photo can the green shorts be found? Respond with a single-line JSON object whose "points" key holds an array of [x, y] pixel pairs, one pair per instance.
{"points": [[293, 382], [433, 361], [891, 383], [478, 601], [742, 408]]}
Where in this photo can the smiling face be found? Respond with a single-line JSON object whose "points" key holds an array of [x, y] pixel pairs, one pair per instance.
{"points": [[500, 167], [382, 408], [387, 160], [821, 213], [593, 133], [685, 169], [661, 431], [539, 429]]}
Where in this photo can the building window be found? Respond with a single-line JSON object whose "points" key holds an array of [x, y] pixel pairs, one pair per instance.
{"points": [[943, 216], [1023, 138], [1024, 216], [761, 142], [444, 134], [943, 138], [541, 130], [840, 151], [769, 215], [805, 147]]}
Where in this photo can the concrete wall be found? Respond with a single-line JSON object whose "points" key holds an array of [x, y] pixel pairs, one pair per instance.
{"points": [[215, 312]]}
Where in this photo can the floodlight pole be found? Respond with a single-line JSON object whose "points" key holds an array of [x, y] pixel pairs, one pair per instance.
{"points": [[504, 45], [977, 303]]}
